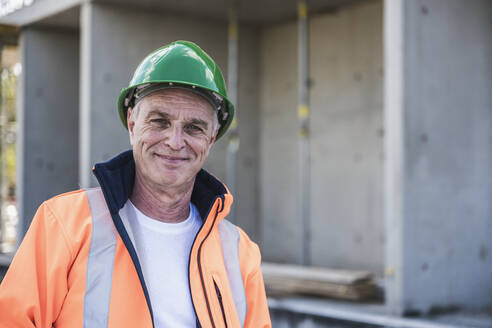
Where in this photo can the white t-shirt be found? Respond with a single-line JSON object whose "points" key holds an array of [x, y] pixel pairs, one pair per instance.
{"points": [[163, 250]]}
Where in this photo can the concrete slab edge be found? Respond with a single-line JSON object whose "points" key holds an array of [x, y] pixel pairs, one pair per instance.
{"points": [[298, 306]]}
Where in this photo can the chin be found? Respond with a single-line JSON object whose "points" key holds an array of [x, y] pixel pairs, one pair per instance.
{"points": [[172, 175], [171, 178], [167, 177]]}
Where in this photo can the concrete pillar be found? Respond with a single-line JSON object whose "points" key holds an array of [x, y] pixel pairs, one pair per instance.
{"points": [[105, 68], [47, 118], [438, 118]]}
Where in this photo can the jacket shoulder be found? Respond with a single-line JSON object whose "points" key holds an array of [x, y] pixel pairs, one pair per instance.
{"points": [[67, 195], [244, 240], [249, 253], [72, 212], [69, 201]]}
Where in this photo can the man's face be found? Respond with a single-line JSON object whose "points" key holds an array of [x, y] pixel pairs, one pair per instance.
{"points": [[171, 133]]}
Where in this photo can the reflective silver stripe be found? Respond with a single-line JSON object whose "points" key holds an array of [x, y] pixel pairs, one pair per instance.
{"points": [[130, 222], [100, 262], [229, 237]]}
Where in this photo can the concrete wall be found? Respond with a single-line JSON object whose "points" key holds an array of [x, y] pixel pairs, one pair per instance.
{"points": [[346, 144], [438, 133], [440, 168], [47, 118], [248, 191], [114, 41]]}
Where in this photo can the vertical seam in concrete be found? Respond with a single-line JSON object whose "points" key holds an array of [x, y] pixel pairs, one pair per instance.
{"points": [[20, 140], [257, 138], [85, 94], [232, 85], [304, 190], [394, 152]]}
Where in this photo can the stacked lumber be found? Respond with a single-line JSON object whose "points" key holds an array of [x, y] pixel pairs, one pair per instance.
{"points": [[284, 279]]}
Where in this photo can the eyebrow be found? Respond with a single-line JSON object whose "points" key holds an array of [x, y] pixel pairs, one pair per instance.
{"points": [[196, 121], [158, 113]]}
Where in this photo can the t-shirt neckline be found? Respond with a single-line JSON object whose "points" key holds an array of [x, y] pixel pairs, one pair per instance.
{"points": [[165, 227]]}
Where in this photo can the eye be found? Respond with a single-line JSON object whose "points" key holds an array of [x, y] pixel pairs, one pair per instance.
{"points": [[193, 128], [159, 121]]}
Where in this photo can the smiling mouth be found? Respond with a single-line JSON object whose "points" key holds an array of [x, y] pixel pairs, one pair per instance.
{"points": [[172, 159]]}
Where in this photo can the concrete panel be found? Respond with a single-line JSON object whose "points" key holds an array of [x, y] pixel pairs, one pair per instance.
{"points": [[248, 117], [446, 221], [48, 118], [346, 145], [281, 231], [114, 41]]}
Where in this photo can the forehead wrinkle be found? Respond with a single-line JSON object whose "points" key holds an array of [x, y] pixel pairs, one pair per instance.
{"points": [[159, 113], [161, 103]]}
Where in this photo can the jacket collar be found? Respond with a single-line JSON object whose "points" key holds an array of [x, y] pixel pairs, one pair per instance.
{"points": [[116, 178]]}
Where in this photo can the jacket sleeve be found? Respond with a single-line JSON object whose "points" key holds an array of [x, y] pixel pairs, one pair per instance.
{"points": [[258, 315], [34, 288]]}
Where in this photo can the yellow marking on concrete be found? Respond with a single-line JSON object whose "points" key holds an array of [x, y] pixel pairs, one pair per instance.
{"points": [[233, 31], [303, 111], [302, 9], [303, 133], [234, 124]]}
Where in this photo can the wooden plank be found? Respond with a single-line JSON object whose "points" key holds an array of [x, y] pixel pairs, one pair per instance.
{"points": [[282, 279], [345, 277]]}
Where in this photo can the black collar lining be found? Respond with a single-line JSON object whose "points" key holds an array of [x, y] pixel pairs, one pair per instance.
{"points": [[118, 176]]}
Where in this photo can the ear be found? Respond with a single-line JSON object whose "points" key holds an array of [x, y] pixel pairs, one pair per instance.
{"points": [[130, 122], [211, 143], [214, 137]]}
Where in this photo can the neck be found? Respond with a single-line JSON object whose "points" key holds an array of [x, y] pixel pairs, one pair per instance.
{"points": [[171, 205]]}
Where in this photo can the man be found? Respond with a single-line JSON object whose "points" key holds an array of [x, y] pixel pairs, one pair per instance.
{"points": [[151, 246]]}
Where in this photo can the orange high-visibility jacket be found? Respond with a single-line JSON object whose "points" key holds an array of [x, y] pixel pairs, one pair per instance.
{"points": [[77, 265]]}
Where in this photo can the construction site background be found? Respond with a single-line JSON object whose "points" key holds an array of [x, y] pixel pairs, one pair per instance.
{"points": [[359, 159]]}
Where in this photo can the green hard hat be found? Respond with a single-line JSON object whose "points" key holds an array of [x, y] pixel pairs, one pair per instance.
{"points": [[180, 64]]}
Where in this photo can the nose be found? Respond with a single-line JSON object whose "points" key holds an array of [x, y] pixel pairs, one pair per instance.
{"points": [[175, 138]]}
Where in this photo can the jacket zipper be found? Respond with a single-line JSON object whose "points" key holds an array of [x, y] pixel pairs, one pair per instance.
{"points": [[219, 296], [200, 264]]}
